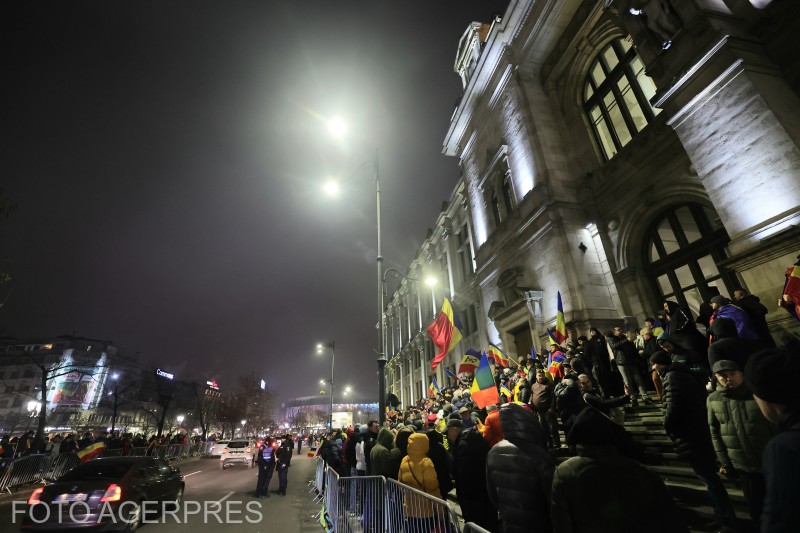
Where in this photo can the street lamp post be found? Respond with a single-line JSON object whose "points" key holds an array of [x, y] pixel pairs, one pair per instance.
{"points": [[320, 349], [243, 424], [429, 281], [338, 129]]}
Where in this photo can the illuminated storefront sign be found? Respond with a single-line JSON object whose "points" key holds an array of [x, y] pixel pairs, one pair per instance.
{"points": [[163, 374]]}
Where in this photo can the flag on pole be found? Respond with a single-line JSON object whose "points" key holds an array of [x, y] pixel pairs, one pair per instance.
{"points": [[450, 373], [505, 390], [552, 338], [483, 390], [87, 453], [431, 390], [560, 332], [445, 332], [436, 385], [499, 356], [469, 362]]}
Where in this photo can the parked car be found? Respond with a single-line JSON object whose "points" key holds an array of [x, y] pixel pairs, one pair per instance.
{"points": [[105, 494]]}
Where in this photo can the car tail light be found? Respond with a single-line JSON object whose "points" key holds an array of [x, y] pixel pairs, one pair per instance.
{"points": [[35, 495], [113, 494]]}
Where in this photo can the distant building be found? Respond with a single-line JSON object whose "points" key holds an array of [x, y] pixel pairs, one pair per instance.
{"points": [[621, 157], [80, 373], [311, 412]]}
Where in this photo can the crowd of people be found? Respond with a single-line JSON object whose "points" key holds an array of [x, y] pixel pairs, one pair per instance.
{"points": [[55, 444], [728, 409]]}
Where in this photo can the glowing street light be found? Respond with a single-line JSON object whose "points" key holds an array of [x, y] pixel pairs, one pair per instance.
{"points": [[181, 418]]}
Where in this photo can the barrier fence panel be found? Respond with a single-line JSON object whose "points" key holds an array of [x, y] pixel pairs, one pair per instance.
{"points": [[112, 452], [138, 452], [27, 469], [63, 464], [361, 504], [331, 500], [413, 511], [319, 476]]}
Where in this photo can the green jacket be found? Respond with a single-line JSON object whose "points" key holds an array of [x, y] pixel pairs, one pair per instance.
{"points": [[738, 429], [379, 455]]}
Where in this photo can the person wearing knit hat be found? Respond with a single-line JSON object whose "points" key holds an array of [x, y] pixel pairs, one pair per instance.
{"points": [[771, 374], [723, 308], [686, 424], [739, 433]]}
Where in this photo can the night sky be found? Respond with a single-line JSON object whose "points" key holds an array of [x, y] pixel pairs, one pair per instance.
{"points": [[167, 161]]}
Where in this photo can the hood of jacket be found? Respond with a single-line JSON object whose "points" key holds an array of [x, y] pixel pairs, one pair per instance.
{"points": [[723, 328], [385, 438], [401, 439], [418, 445], [520, 425]]}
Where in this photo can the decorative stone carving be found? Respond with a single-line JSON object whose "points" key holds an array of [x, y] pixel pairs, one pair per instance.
{"points": [[533, 299]]}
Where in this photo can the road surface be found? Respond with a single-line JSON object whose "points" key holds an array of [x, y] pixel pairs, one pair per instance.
{"points": [[222, 501]]}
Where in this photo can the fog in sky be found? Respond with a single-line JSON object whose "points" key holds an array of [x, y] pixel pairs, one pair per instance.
{"points": [[167, 159]]}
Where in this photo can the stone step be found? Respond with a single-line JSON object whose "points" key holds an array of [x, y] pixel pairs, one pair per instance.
{"points": [[684, 474]]}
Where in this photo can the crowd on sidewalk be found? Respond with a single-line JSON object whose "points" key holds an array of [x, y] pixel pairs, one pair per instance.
{"points": [[728, 409]]}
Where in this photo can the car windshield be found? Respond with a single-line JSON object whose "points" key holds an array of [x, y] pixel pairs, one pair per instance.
{"points": [[97, 470], [237, 444]]}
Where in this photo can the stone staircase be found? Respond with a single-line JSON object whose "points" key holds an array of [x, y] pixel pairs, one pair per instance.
{"points": [[645, 423]]}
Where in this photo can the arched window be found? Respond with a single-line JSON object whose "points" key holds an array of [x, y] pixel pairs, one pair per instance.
{"points": [[617, 96], [682, 252]]}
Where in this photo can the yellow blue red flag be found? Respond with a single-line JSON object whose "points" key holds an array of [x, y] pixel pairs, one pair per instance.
{"points": [[445, 332]]}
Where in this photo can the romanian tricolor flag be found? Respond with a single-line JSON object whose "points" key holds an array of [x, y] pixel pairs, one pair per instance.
{"points": [[431, 390], [450, 373], [469, 362], [483, 390], [87, 453], [555, 364], [436, 385], [560, 332], [445, 332], [505, 390], [499, 356], [551, 337]]}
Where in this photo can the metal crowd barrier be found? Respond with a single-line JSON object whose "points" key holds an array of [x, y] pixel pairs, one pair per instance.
{"points": [[421, 512], [380, 505], [319, 477], [24, 470]]}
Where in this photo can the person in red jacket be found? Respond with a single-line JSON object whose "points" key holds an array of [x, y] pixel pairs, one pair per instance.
{"points": [[492, 430]]}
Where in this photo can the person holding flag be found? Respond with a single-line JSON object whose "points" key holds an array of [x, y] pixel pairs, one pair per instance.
{"points": [[555, 362]]}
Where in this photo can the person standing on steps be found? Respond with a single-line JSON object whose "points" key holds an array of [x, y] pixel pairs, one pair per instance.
{"points": [[284, 461], [265, 459]]}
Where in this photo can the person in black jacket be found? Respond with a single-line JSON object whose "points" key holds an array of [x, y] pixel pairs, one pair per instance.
{"points": [[519, 473], [569, 400], [265, 459], [524, 391], [283, 462], [597, 355], [594, 398], [686, 424], [441, 461], [469, 450], [626, 357], [757, 313]]}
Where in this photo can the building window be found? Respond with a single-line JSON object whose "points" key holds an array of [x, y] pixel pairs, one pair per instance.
{"points": [[495, 206], [683, 251], [465, 253], [617, 97]]}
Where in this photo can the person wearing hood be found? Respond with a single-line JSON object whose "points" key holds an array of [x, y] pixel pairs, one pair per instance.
{"points": [[771, 375], [441, 461], [723, 308], [727, 345], [469, 450], [601, 490], [519, 473], [379, 455], [757, 313], [399, 451], [361, 460], [739, 432], [331, 452], [417, 471], [686, 424], [682, 352]]}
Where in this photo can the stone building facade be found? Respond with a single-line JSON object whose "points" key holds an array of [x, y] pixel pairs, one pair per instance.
{"points": [[624, 152]]}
